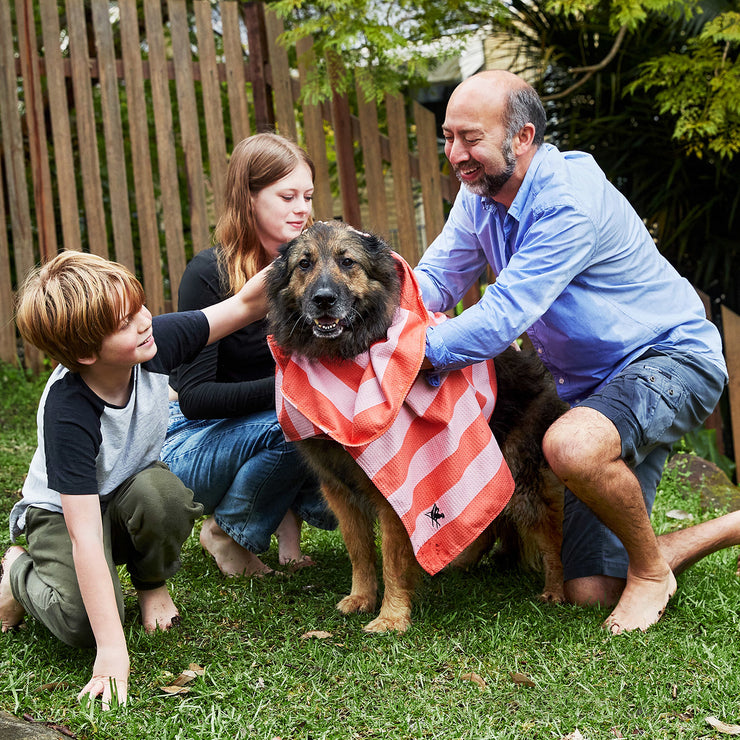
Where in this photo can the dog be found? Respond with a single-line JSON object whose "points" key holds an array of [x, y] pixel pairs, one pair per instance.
{"points": [[332, 293]]}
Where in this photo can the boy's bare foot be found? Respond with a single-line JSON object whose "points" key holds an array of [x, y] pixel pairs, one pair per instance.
{"points": [[11, 612], [288, 536], [158, 611], [642, 603], [231, 558]]}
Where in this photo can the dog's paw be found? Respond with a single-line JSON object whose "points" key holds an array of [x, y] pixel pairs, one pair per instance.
{"points": [[552, 596], [357, 604], [388, 624]]}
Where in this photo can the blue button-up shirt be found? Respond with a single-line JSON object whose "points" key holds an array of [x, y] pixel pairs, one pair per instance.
{"points": [[576, 269]]}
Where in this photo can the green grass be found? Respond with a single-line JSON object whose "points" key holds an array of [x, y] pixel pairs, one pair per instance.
{"points": [[262, 679]]}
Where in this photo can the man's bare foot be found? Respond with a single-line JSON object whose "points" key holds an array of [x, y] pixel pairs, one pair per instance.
{"points": [[11, 612], [158, 611], [288, 536], [231, 558], [642, 603]]}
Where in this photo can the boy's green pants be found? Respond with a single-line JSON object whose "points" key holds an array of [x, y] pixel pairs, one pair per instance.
{"points": [[144, 526]]}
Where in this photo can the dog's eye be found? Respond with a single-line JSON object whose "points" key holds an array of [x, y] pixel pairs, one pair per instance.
{"points": [[304, 264], [347, 262]]}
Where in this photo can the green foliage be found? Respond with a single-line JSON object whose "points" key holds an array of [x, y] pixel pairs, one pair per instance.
{"points": [[700, 87], [629, 13], [396, 44], [703, 443]]}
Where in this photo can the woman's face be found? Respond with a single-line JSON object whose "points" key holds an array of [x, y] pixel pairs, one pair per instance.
{"points": [[282, 209]]}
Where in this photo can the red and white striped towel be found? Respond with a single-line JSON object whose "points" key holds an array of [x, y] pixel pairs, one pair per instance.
{"points": [[428, 449]]}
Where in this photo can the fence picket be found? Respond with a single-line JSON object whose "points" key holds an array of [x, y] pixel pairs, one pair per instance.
{"points": [[62, 135], [408, 245], [35, 121], [373, 161], [213, 110], [138, 125], [235, 79], [189, 123], [87, 140], [315, 141], [166, 156]]}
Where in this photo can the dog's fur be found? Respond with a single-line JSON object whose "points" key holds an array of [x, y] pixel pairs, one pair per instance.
{"points": [[332, 293]]}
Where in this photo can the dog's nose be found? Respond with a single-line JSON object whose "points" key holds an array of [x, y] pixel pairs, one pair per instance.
{"points": [[324, 298]]}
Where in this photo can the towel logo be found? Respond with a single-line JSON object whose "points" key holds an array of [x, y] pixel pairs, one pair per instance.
{"points": [[435, 515]]}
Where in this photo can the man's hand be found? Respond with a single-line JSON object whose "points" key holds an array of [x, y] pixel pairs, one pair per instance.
{"points": [[110, 679]]}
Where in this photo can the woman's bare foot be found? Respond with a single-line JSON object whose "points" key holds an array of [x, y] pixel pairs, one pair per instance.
{"points": [[158, 611], [642, 603], [231, 558], [288, 536], [11, 612]]}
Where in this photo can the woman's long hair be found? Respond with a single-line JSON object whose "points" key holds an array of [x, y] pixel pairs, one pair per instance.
{"points": [[256, 163]]}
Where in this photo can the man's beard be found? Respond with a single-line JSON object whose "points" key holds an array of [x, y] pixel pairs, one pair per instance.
{"points": [[488, 186]]}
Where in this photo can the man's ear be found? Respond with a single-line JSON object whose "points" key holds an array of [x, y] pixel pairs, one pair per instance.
{"points": [[523, 140]]}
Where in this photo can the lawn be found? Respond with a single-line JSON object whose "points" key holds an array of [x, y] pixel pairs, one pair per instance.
{"points": [[483, 658]]}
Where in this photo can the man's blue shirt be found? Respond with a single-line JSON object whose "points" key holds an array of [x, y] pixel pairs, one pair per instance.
{"points": [[576, 269]]}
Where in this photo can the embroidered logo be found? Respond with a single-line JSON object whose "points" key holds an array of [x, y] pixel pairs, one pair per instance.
{"points": [[435, 515]]}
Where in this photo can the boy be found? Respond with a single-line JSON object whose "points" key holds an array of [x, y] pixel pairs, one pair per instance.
{"points": [[96, 495]]}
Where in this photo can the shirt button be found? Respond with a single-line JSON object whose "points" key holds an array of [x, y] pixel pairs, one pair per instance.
{"points": [[561, 380]]}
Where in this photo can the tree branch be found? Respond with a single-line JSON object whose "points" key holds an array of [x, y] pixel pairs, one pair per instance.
{"points": [[591, 70]]}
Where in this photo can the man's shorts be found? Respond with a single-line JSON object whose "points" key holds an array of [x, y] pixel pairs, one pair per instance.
{"points": [[653, 402]]}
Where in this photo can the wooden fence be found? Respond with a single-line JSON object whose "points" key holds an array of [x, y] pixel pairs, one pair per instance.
{"points": [[116, 119]]}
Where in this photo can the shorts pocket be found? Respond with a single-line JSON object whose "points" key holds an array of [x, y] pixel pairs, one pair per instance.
{"points": [[657, 398]]}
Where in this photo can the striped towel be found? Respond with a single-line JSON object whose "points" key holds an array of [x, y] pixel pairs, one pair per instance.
{"points": [[427, 448]]}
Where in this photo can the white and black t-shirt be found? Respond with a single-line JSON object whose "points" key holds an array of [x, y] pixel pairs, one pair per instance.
{"points": [[88, 446]]}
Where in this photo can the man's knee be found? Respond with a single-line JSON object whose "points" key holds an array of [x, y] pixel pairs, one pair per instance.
{"points": [[594, 590], [580, 443]]}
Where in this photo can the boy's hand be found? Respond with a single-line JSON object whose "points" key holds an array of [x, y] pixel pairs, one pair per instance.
{"points": [[110, 679]]}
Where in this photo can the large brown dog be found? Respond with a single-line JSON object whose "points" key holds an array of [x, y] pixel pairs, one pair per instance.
{"points": [[333, 292]]}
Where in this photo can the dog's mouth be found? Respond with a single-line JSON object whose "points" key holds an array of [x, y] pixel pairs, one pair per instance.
{"points": [[326, 327]]}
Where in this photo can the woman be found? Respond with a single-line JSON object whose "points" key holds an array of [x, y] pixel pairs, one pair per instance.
{"points": [[223, 438]]}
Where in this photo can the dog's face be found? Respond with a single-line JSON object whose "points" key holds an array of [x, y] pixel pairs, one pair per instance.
{"points": [[332, 292]]}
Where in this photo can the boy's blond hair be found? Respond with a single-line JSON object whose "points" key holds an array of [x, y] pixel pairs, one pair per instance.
{"points": [[67, 306]]}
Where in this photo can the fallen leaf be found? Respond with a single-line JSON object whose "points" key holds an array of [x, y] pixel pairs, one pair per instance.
{"points": [[520, 678], [318, 634], [184, 677], [723, 727], [575, 735], [679, 514], [178, 685], [475, 678]]}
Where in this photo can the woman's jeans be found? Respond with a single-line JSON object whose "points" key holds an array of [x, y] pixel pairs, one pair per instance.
{"points": [[245, 473]]}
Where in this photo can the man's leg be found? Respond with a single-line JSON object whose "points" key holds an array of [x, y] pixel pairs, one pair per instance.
{"points": [[596, 447], [595, 562], [583, 448]]}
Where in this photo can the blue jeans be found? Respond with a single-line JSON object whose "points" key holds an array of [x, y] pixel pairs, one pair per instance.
{"points": [[245, 473], [653, 402]]}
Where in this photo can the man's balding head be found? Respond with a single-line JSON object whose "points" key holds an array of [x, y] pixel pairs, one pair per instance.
{"points": [[499, 95]]}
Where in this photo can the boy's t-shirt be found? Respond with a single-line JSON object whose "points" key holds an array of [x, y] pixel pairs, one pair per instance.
{"points": [[88, 446]]}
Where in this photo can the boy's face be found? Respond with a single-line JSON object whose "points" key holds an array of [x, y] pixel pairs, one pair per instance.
{"points": [[132, 343]]}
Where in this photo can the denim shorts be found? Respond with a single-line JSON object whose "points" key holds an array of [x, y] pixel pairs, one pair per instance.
{"points": [[653, 402]]}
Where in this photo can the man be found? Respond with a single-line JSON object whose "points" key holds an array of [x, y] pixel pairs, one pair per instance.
{"points": [[624, 336]]}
